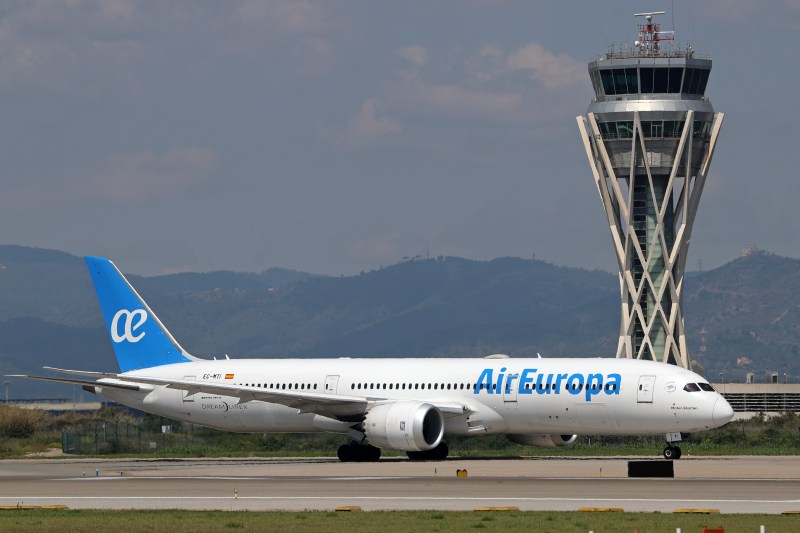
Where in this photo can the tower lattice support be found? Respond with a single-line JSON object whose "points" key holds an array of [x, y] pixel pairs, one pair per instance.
{"points": [[650, 214]]}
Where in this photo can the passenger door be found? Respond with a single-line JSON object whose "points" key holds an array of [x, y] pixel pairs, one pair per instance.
{"points": [[331, 382], [645, 392]]}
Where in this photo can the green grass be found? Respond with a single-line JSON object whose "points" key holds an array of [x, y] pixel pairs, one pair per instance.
{"points": [[384, 521], [117, 434]]}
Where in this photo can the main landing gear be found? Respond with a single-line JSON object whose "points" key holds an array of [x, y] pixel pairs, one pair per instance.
{"points": [[436, 454], [365, 453], [358, 453], [672, 451]]}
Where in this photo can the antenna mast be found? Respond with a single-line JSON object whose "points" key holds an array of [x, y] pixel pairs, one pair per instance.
{"points": [[650, 34]]}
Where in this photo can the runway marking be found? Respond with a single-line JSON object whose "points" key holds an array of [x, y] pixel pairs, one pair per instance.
{"points": [[389, 498], [133, 476]]}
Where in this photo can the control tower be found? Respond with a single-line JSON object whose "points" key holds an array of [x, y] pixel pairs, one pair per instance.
{"points": [[650, 134]]}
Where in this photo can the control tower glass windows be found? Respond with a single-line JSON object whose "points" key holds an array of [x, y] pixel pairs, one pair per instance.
{"points": [[653, 129], [675, 79], [660, 80], [608, 81], [649, 80], [596, 83], [695, 81], [646, 75]]}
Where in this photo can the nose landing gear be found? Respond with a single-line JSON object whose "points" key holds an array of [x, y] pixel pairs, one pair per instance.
{"points": [[672, 451]]}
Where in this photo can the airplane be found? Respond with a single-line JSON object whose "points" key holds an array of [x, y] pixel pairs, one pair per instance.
{"points": [[409, 405]]}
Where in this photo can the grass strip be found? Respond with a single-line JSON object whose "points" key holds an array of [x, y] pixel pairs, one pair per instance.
{"points": [[176, 521]]}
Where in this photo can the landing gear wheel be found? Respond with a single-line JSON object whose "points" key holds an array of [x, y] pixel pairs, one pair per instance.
{"points": [[672, 452], [345, 453], [436, 454], [358, 453]]}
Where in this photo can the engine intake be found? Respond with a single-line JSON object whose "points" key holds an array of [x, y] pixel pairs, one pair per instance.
{"points": [[543, 441], [408, 426]]}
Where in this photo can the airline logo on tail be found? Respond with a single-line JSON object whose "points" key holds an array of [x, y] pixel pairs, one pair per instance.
{"points": [[133, 320]]}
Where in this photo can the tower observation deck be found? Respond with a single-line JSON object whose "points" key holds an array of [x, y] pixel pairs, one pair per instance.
{"points": [[650, 134]]}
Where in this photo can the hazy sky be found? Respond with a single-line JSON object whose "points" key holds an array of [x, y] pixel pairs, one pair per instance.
{"points": [[335, 137]]}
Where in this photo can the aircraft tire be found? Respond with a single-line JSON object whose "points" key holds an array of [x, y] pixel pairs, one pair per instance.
{"points": [[437, 454], [677, 452], [345, 453], [369, 454], [358, 453], [670, 453]]}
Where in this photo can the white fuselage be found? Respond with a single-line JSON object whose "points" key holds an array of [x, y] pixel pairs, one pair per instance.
{"points": [[514, 396]]}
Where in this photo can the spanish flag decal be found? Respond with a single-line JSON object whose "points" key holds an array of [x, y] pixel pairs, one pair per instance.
{"points": [[228, 376]]}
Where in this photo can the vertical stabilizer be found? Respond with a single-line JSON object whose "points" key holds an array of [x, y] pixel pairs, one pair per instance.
{"points": [[139, 338]]}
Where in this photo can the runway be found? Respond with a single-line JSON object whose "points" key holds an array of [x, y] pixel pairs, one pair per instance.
{"points": [[731, 485]]}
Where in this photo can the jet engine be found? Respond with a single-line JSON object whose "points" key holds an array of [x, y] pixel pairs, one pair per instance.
{"points": [[407, 425], [543, 441]]}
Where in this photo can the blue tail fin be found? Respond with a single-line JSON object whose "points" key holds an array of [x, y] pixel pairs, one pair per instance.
{"points": [[139, 338]]}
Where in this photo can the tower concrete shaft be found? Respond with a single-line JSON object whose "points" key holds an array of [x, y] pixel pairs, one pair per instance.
{"points": [[650, 134]]}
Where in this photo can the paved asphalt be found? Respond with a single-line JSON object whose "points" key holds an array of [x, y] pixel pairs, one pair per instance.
{"points": [[730, 485]]}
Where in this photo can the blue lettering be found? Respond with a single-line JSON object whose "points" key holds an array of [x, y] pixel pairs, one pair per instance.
{"points": [[510, 381], [484, 381], [594, 384], [559, 378], [525, 381], [545, 388], [612, 387], [499, 385], [575, 383], [528, 380]]}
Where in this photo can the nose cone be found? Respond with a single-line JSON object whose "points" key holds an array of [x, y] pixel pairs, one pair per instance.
{"points": [[722, 413]]}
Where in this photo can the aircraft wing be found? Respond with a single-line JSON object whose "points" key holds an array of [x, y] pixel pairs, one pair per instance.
{"points": [[117, 384], [336, 406]]}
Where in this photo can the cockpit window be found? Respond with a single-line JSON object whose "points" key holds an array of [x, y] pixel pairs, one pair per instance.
{"points": [[706, 387], [692, 387]]}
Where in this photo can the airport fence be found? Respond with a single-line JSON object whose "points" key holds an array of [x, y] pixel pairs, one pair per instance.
{"points": [[129, 436]]}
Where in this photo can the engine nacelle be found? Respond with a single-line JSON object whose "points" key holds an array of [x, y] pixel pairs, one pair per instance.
{"points": [[543, 441], [408, 426]]}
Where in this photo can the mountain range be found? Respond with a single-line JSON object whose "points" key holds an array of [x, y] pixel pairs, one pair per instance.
{"points": [[741, 317]]}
